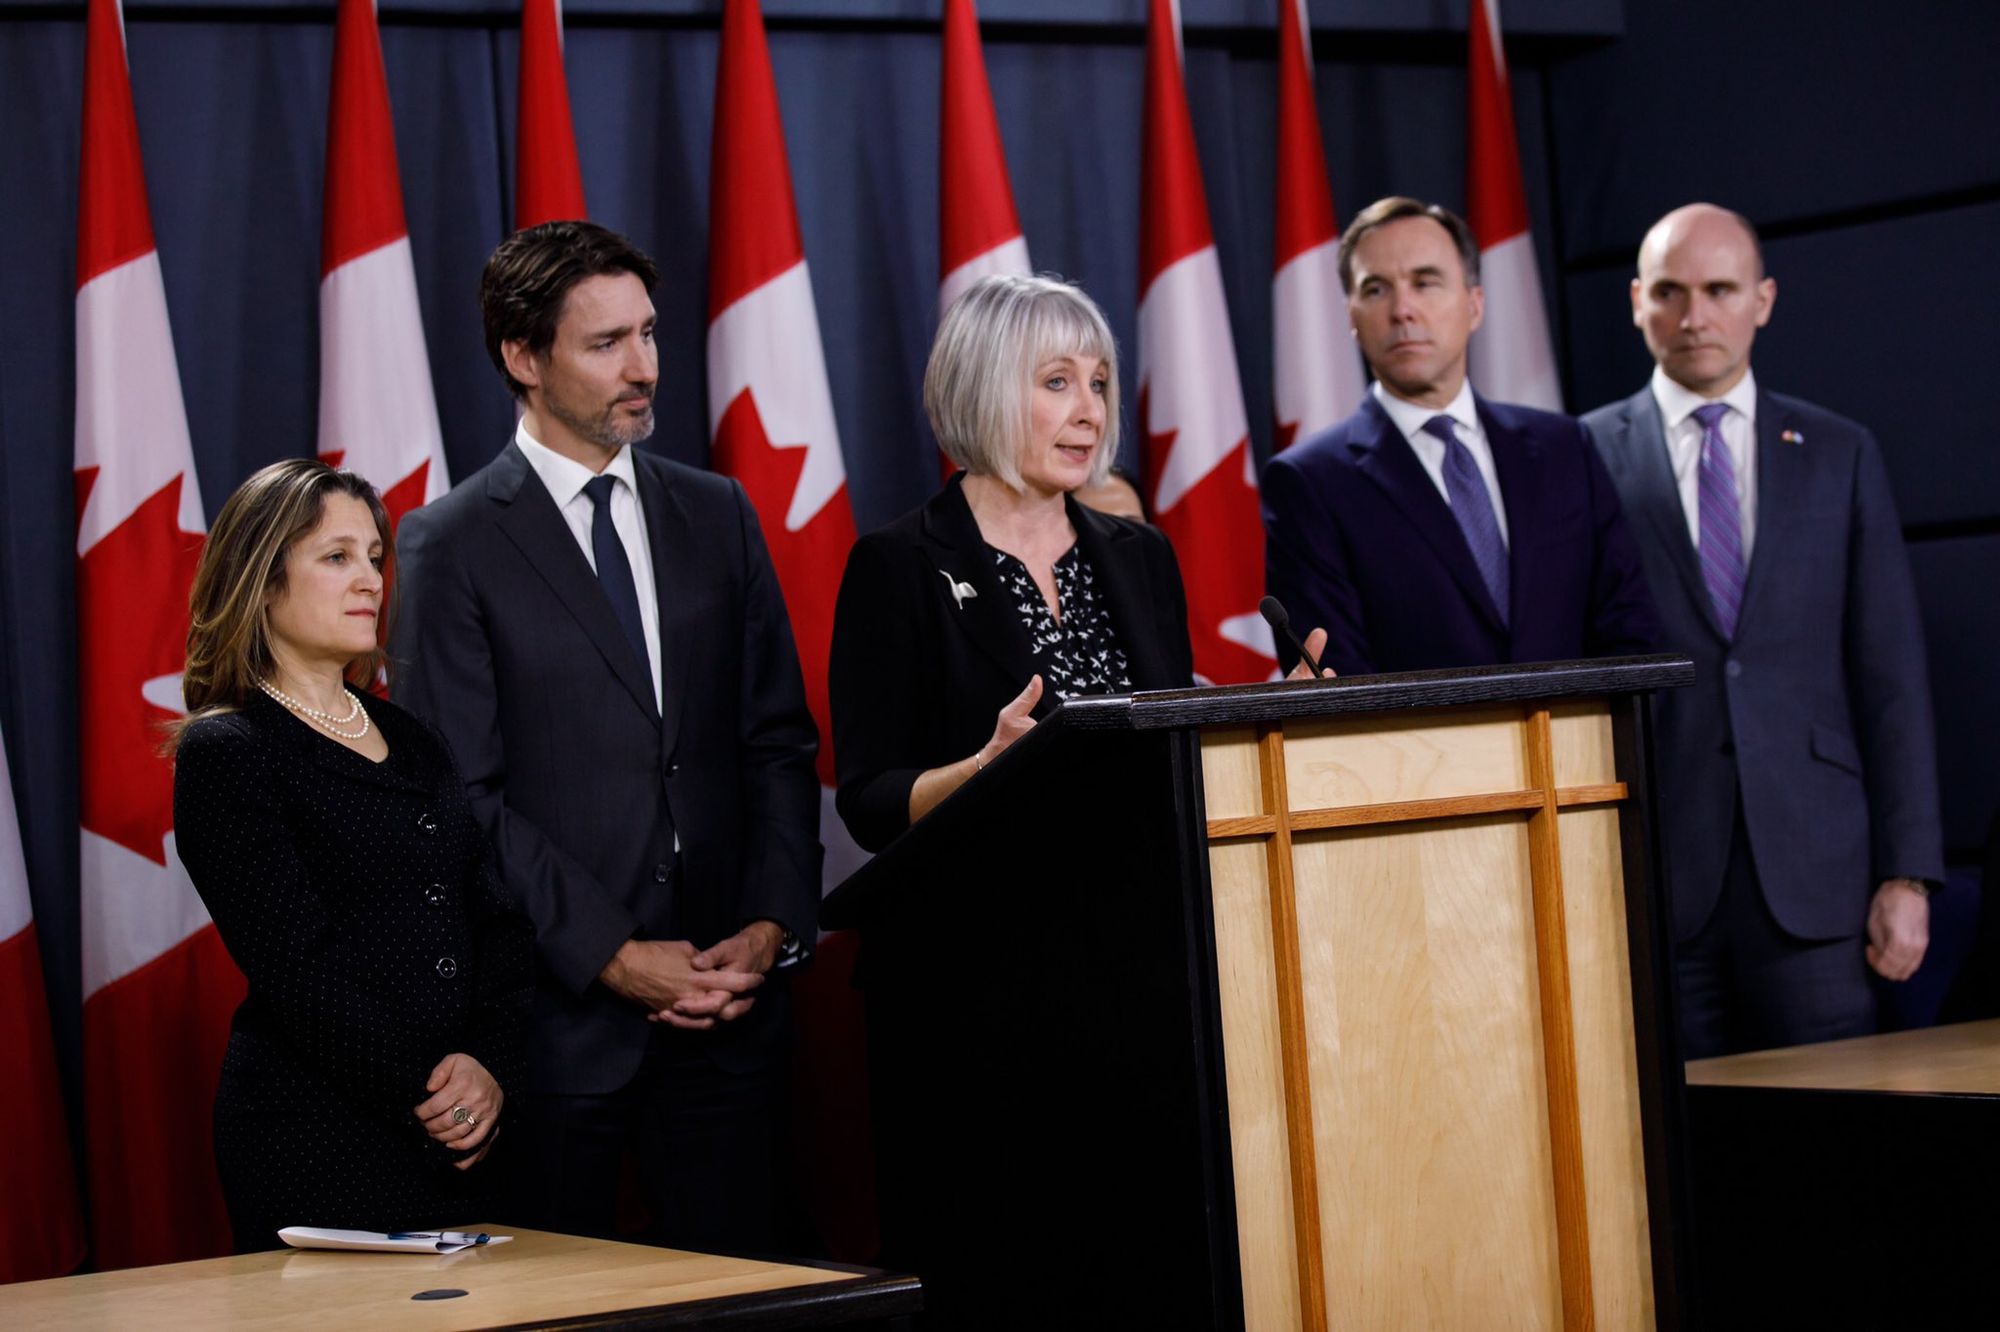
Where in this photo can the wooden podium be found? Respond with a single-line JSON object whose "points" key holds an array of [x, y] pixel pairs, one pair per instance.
{"points": [[1328, 1004]]}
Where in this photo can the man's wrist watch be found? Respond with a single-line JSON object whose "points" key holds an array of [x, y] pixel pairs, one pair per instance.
{"points": [[791, 950]]}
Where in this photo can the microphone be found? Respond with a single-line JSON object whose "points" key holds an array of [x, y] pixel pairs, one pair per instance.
{"points": [[1280, 620]]}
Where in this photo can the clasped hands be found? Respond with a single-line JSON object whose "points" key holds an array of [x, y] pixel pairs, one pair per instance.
{"points": [[691, 988], [458, 1084]]}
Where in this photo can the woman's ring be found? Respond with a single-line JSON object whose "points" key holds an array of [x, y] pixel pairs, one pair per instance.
{"points": [[460, 1115]]}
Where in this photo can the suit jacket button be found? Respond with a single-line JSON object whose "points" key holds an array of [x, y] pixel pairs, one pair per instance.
{"points": [[661, 873], [447, 967], [1733, 669], [435, 894], [428, 822], [673, 770]]}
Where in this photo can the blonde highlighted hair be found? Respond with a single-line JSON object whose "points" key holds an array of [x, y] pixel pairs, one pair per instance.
{"points": [[981, 375], [242, 568]]}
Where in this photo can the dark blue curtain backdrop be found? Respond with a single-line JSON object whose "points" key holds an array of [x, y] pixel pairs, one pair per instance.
{"points": [[1864, 145]]}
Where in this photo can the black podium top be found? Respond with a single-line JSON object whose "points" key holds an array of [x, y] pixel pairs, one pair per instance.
{"points": [[1243, 705]]}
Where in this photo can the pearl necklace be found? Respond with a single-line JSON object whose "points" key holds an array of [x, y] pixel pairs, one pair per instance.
{"points": [[325, 720]]}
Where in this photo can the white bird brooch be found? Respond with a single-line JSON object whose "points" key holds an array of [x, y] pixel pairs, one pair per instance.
{"points": [[959, 591]]}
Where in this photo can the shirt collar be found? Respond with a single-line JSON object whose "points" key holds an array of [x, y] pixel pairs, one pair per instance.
{"points": [[565, 477], [1410, 418], [1678, 402]]}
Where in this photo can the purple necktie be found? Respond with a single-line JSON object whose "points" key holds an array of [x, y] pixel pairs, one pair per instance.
{"points": [[1472, 506], [1721, 520]]}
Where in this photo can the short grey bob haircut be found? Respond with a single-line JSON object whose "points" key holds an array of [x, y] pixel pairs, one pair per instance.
{"points": [[981, 375]]}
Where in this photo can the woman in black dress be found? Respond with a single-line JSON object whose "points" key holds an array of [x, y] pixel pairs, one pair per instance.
{"points": [[963, 621], [328, 833]]}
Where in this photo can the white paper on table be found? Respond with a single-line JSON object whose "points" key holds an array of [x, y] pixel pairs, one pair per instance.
{"points": [[375, 1241]]}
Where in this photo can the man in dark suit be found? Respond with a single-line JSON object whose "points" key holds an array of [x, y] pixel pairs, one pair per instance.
{"points": [[599, 634], [1798, 781], [1433, 528]]}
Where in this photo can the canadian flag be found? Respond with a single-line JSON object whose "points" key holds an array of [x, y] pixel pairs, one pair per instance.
{"points": [[548, 183], [377, 413], [772, 427], [158, 986], [1315, 366], [1197, 434], [1511, 358], [41, 1225], [978, 230]]}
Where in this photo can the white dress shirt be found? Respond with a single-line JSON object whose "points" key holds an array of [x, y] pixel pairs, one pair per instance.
{"points": [[1739, 432], [1410, 418], [565, 480]]}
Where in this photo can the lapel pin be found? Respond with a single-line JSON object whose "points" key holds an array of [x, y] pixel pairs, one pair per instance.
{"points": [[959, 591], [1791, 437]]}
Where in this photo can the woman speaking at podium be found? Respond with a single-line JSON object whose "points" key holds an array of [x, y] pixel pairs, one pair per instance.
{"points": [[962, 622], [329, 835]]}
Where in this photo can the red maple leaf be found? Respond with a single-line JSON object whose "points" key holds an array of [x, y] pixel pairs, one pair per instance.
{"points": [[809, 561], [1217, 530], [132, 622]]}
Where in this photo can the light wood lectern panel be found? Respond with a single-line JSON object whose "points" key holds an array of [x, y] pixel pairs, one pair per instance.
{"points": [[1427, 1026], [1341, 1005]]}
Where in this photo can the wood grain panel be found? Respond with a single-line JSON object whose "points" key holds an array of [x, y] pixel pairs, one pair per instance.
{"points": [[1428, 1098], [537, 1278], [1607, 1069], [1558, 1041], [1961, 1059], [1230, 784], [1409, 811], [1253, 1070], [1426, 756], [1292, 1036], [1580, 731]]}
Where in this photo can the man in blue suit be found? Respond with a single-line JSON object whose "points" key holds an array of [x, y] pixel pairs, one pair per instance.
{"points": [[1798, 781], [1433, 528]]}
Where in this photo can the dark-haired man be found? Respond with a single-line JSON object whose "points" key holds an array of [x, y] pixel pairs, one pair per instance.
{"points": [[1798, 779], [1433, 528], [599, 634]]}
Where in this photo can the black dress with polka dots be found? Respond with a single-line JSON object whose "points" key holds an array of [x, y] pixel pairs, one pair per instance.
{"points": [[358, 900]]}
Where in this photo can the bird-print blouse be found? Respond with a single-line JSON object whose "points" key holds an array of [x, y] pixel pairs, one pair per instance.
{"points": [[1080, 653]]}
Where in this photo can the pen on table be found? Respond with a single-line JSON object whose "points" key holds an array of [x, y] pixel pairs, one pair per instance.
{"points": [[441, 1236]]}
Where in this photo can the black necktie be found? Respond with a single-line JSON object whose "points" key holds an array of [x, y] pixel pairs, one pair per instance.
{"points": [[614, 571]]}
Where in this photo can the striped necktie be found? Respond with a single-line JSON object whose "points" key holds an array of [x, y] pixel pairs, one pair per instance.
{"points": [[1472, 506], [1721, 520]]}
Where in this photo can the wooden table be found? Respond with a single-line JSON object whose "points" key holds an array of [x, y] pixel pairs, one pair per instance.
{"points": [[537, 1280], [1959, 1060], [1849, 1184]]}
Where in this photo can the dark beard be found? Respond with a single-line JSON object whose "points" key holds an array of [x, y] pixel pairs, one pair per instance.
{"points": [[604, 429]]}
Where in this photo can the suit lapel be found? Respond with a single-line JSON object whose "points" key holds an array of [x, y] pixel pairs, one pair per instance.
{"points": [[960, 556], [1517, 463], [1656, 498], [1782, 470], [529, 517], [1387, 459], [1120, 572], [675, 551]]}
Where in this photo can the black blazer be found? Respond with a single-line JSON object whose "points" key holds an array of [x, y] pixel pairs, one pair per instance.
{"points": [[916, 676], [1360, 542], [357, 899], [506, 641]]}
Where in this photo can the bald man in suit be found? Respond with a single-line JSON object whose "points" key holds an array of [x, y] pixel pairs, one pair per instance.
{"points": [[1798, 777]]}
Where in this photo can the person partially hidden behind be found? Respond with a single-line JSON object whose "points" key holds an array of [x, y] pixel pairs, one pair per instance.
{"points": [[1798, 774], [327, 831], [1433, 528]]}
